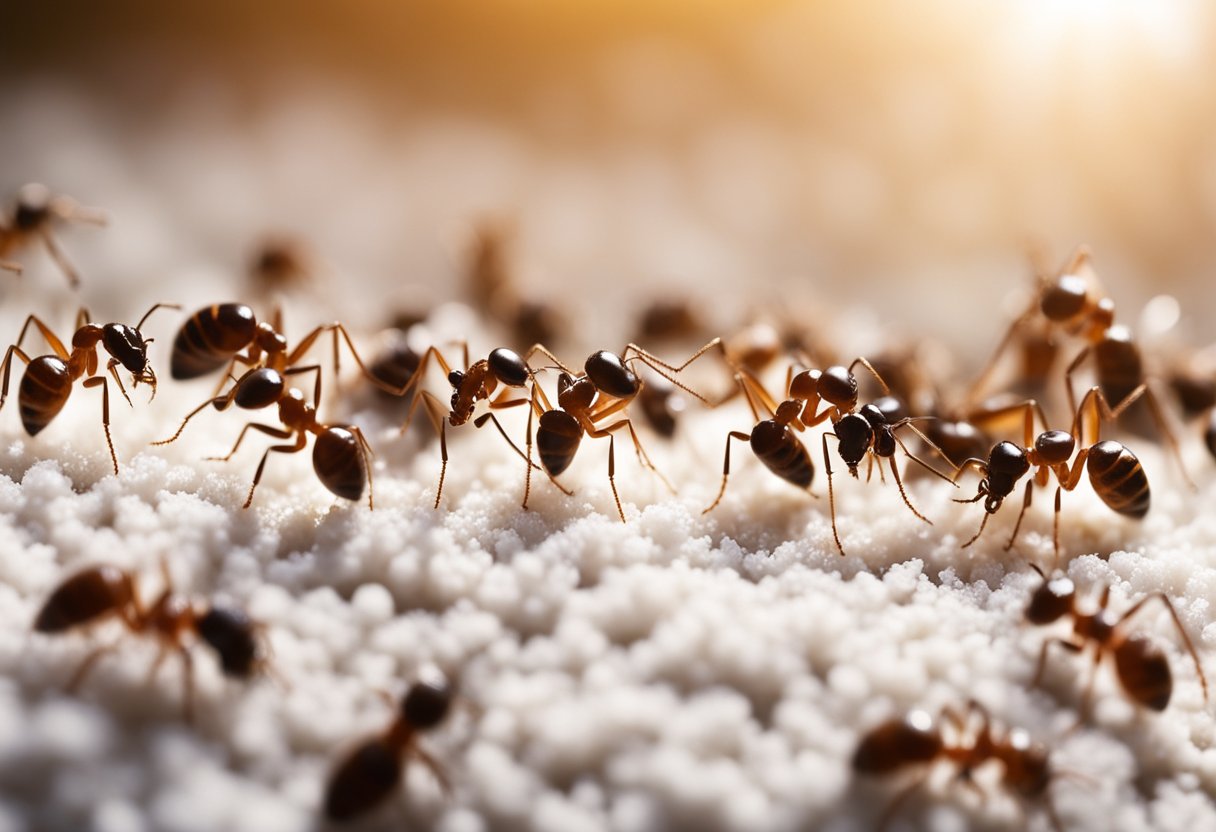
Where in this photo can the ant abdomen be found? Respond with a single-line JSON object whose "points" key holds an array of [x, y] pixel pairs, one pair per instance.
{"points": [[898, 743], [1144, 672], [209, 339], [557, 439], [1119, 479], [338, 460], [781, 452], [43, 392], [84, 597]]}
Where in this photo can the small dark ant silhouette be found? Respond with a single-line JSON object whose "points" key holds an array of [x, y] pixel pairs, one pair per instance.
{"points": [[1115, 473], [31, 217], [370, 772], [494, 291], [282, 262], [1196, 394], [1141, 666], [605, 389], [48, 379], [1075, 303], [917, 741], [864, 433], [101, 592]]}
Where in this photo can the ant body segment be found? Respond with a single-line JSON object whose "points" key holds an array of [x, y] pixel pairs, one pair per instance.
{"points": [[48, 379], [369, 773], [1115, 473], [1143, 671], [33, 212], [102, 592]]}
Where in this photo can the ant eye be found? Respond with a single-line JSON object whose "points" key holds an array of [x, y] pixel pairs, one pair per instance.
{"points": [[455, 378]]}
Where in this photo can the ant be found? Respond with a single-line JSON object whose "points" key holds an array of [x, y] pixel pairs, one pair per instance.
{"points": [[48, 379], [493, 289], [864, 433], [604, 389], [1196, 394], [370, 771], [1074, 302], [1140, 664], [1115, 473], [917, 740], [33, 212], [340, 453], [281, 262], [102, 592]]}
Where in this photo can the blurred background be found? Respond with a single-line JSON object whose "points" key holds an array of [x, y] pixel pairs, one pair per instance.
{"points": [[900, 159]]}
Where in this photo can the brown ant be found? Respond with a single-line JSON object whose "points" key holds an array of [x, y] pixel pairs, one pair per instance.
{"points": [[1115, 473], [1075, 303], [1140, 664], [493, 290], [1196, 394], [864, 433], [33, 212], [605, 388], [917, 741], [48, 379], [369, 773], [280, 262], [102, 592]]}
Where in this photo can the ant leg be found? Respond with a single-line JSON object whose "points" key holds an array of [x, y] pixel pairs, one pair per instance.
{"points": [[1015, 327], [87, 665], [483, 418], [734, 434], [316, 387], [436, 770], [52, 340], [888, 814], [545, 351], [8, 361], [269, 430], [1072, 367], [983, 523], [827, 467], [668, 371], [219, 402], [886, 391], [902, 493], [915, 458], [10, 266], [1100, 404], [61, 260], [154, 307], [100, 381], [1021, 514], [187, 685], [612, 474], [1190, 647], [301, 439], [1055, 529]]}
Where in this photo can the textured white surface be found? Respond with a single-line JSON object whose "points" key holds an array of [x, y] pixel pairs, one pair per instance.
{"points": [[673, 672]]}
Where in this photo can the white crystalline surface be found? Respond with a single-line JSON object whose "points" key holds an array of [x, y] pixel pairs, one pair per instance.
{"points": [[676, 671]]}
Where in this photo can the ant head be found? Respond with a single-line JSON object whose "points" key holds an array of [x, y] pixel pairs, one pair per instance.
{"points": [[610, 375], [856, 436], [508, 367], [1064, 299], [575, 393], [456, 378], [127, 344], [1055, 446], [839, 387], [427, 702], [33, 207], [1008, 460], [1051, 601], [231, 634], [259, 388]]}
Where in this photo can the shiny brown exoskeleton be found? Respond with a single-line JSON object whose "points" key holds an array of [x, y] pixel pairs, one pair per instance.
{"points": [[103, 592], [1140, 664], [1115, 473], [916, 741], [33, 213], [340, 454], [372, 770], [1073, 302], [49, 379], [605, 388]]}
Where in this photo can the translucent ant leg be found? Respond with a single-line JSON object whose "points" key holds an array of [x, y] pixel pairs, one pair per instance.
{"points": [[61, 260], [301, 440], [827, 466], [8, 361], [1021, 514], [100, 381]]}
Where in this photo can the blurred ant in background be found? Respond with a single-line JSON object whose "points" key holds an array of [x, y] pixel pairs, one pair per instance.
{"points": [[102, 592], [493, 290], [1141, 666], [916, 741], [33, 213], [49, 379]]}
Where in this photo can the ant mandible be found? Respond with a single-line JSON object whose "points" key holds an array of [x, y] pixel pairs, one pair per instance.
{"points": [[102, 592], [1141, 666], [605, 388], [371, 770], [1115, 473], [34, 209], [48, 379], [917, 740]]}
